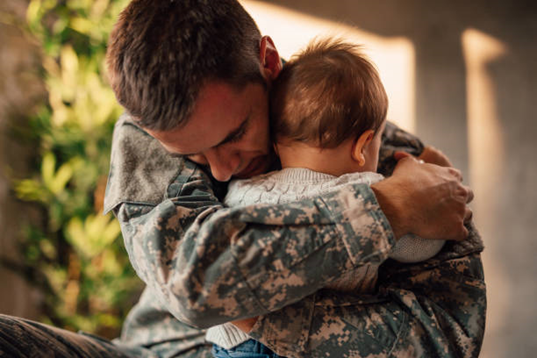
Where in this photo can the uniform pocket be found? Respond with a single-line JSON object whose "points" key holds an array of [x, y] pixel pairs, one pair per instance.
{"points": [[286, 331]]}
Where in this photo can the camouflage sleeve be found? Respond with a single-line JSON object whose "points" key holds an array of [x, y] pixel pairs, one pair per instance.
{"points": [[436, 308], [396, 139], [211, 264], [444, 300], [432, 309]]}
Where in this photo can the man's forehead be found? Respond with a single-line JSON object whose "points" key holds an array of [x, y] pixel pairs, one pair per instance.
{"points": [[220, 111], [174, 142], [191, 143], [205, 129]]}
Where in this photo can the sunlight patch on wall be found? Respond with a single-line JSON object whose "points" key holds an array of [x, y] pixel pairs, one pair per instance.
{"points": [[394, 56], [484, 128], [486, 164]]}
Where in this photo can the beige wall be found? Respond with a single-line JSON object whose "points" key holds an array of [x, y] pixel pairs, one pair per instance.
{"points": [[475, 98]]}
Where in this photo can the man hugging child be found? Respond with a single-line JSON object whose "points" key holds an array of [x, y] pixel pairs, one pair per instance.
{"points": [[328, 111]]}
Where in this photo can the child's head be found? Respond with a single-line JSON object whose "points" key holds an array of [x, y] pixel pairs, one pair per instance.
{"points": [[329, 100]]}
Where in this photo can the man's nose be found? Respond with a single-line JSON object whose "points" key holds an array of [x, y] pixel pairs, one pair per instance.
{"points": [[223, 164]]}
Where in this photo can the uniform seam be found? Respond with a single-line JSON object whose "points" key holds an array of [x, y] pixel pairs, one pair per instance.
{"points": [[401, 334], [181, 184], [339, 224], [248, 288]]}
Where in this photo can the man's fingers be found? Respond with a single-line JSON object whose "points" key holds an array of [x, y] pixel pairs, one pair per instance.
{"points": [[465, 193], [468, 214], [470, 196], [464, 233], [456, 173], [434, 156], [400, 155]]}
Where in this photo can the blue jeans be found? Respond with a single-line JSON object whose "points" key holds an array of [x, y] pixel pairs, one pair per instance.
{"points": [[249, 349]]}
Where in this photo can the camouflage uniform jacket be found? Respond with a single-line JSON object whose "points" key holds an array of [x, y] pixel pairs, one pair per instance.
{"points": [[205, 264]]}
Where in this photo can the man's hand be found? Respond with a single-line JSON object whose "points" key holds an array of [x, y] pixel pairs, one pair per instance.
{"points": [[425, 199], [430, 155]]}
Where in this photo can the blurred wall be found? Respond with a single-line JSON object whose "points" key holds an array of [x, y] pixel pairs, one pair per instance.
{"points": [[475, 98], [19, 89]]}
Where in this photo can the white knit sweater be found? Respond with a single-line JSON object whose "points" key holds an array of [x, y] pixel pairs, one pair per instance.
{"points": [[294, 184]]}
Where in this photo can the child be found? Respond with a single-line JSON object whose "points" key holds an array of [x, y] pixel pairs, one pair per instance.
{"points": [[328, 111]]}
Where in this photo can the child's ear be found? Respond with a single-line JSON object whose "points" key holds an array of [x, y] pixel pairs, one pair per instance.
{"points": [[359, 146], [275, 147]]}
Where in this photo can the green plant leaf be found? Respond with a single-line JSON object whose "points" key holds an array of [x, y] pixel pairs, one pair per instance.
{"points": [[71, 245], [47, 168], [32, 13], [63, 175]]}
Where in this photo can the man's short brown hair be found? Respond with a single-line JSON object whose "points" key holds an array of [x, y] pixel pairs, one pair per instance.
{"points": [[327, 94], [161, 52]]}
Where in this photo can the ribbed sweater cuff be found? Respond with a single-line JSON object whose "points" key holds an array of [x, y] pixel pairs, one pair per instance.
{"points": [[226, 336]]}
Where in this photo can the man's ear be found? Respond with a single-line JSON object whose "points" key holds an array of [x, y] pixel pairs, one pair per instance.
{"points": [[359, 145], [271, 64], [275, 147]]}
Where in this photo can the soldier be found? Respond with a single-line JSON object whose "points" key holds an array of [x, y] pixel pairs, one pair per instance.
{"points": [[193, 76]]}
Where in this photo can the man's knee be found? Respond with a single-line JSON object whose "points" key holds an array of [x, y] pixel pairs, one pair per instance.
{"points": [[20, 337]]}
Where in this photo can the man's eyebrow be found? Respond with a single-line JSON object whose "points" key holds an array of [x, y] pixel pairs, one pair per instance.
{"points": [[231, 136]]}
